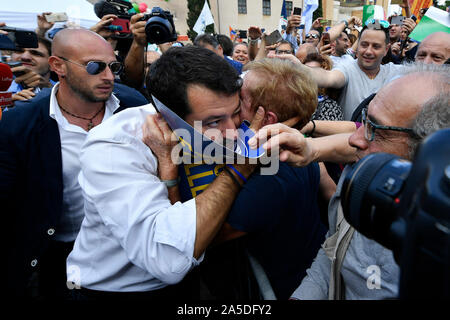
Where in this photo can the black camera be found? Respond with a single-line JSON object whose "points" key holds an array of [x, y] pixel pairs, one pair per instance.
{"points": [[160, 27], [406, 207]]}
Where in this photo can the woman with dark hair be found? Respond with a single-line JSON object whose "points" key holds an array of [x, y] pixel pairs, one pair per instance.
{"points": [[240, 52]]}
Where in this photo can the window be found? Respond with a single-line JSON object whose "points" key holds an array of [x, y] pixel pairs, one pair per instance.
{"points": [[266, 7], [288, 8], [242, 6]]}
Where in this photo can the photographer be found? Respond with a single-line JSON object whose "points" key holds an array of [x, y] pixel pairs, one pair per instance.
{"points": [[34, 72], [361, 268], [133, 74]]}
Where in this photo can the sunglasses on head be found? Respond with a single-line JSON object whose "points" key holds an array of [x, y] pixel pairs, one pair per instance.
{"points": [[96, 67], [312, 35], [376, 24]]}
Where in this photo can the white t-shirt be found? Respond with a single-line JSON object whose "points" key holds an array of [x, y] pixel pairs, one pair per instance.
{"points": [[359, 86], [338, 60]]}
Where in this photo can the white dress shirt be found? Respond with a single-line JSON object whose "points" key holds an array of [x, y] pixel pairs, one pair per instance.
{"points": [[132, 239], [72, 138]]}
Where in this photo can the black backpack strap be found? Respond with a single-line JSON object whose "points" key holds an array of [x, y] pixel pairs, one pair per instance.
{"points": [[356, 116]]}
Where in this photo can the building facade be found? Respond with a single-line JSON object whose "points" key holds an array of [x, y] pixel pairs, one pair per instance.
{"points": [[241, 14]]}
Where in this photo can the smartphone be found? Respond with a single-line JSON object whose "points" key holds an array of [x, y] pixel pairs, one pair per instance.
{"points": [[243, 34], [18, 38], [273, 38], [13, 64], [324, 22], [325, 38], [398, 20], [124, 23], [56, 17], [297, 11]]}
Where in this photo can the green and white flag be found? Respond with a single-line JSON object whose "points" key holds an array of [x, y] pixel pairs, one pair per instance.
{"points": [[372, 12], [434, 20]]}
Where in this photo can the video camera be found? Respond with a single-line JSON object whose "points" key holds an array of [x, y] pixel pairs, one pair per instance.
{"points": [[160, 27], [406, 207]]}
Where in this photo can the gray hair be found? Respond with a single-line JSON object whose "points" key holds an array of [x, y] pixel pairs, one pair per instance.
{"points": [[435, 113], [439, 74]]}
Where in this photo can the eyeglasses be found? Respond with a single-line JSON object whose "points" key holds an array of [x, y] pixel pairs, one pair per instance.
{"points": [[312, 35], [283, 51], [370, 127], [377, 24], [95, 67]]}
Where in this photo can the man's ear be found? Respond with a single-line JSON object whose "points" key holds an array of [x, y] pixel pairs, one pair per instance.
{"points": [[388, 46], [270, 118], [220, 50], [57, 65]]}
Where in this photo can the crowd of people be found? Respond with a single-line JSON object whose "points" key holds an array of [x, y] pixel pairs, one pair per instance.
{"points": [[97, 208]]}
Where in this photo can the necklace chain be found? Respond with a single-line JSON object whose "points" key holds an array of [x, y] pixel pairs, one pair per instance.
{"points": [[90, 124]]}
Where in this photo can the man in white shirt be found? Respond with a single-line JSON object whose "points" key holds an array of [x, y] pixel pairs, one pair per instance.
{"points": [[361, 77], [40, 141], [137, 239]]}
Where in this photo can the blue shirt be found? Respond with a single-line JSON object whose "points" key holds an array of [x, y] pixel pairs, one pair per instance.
{"points": [[281, 216], [235, 64]]}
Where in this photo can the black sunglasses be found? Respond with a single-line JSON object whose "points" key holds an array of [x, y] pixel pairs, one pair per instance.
{"points": [[312, 35], [95, 67]]}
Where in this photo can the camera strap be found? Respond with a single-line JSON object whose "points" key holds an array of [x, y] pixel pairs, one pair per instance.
{"points": [[336, 290]]}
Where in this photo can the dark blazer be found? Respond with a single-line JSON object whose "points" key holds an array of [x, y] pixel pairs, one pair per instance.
{"points": [[31, 182]]}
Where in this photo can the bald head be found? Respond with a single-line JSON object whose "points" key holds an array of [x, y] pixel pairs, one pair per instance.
{"points": [[434, 49], [304, 50], [72, 42]]}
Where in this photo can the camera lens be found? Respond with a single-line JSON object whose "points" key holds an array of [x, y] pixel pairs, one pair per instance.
{"points": [[371, 191], [159, 28], [156, 31]]}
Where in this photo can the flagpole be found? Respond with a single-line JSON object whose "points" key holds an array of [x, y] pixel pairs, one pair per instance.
{"points": [[218, 16]]}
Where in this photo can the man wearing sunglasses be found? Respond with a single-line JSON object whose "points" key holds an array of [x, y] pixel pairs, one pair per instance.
{"points": [[395, 121], [40, 141], [313, 37]]}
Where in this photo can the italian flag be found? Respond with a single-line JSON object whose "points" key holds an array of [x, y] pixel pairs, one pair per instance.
{"points": [[372, 12], [434, 20]]}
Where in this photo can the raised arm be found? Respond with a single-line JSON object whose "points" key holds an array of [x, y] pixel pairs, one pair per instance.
{"points": [[323, 78], [133, 74], [320, 128], [300, 151]]}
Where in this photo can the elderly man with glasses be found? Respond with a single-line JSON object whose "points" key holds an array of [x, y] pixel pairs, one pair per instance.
{"points": [[395, 120], [40, 142]]}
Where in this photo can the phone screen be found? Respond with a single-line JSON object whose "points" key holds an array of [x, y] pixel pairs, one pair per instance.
{"points": [[273, 38], [297, 11], [326, 38], [398, 20]]}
